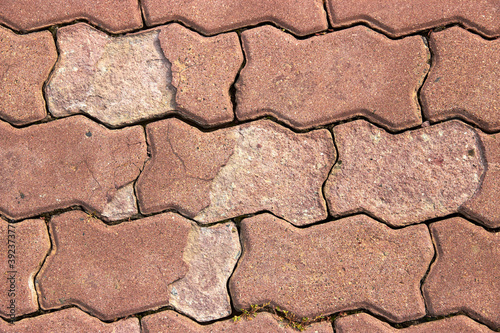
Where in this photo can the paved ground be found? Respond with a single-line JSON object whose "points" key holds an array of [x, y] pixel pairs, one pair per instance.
{"points": [[249, 166]]}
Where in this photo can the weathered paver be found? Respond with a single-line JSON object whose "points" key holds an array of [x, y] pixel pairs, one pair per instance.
{"points": [[332, 77], [401, 17], [215, 16], [24, 247], [348, 264], [464, 277], [236, 171], [404, 178], [67, 162], [463, 81], [25, 64]]}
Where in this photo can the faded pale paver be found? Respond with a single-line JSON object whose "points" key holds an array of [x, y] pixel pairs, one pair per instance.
{"points": [[236, 171], [405, 178], [463, 81], [71, 161], [25, 64], [465, 276], [337, 76], [353, 263]]}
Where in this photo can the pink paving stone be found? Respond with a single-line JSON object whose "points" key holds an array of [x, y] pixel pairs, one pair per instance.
{"points": [[235, 171], [24, 247], [353, 263], [215, 16], [401, 17], [25, 64], [72, 161], [404, 178], [332, 77], [463, 81], [464, 277]]}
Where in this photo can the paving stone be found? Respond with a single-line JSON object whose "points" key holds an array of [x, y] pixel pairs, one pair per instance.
{"points": [[72, 161], [405, 178], [352, 263], [464, 277], [113, 16], [25, 64], [123, 204], [463, 81], [235, 171], [24, 247], [401, 17], [215, 16], [359, 73]]}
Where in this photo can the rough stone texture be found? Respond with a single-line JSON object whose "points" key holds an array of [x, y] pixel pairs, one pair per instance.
{"points": [[118, 80], [401, 17], [463, 81], [327, 78], [24, 246], [349, 264], [114, 16], [123, 204], [25, 64], [215, 16], [67, 162], [405, 178], [464, 277], [203, 70], [236, 171]]}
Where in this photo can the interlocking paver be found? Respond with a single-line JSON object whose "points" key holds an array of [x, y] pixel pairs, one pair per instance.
{"points": [[352, 263], [25, 64], [71, 161], [463, 81], [401, 17], [236, 171], [336, 76], [215, 16], [464, 277], [404, 178]]}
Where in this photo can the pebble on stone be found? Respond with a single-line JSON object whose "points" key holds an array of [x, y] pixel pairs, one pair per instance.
{"points": [[404, 178], [25, 64], [332, 77], [352, 263], [235, 171]]}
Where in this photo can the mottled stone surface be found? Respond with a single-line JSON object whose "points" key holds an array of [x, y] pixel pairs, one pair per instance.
{"points": [[72, 161], [353, 263], [464, 277], [463, 81], [25, 64], [236, 171], [405, 178], [332, 77], [123, 204]]}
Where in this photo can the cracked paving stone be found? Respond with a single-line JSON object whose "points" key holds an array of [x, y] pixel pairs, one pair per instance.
{"points": [[404, 178], [235, 171], [26, 245], [352, 263], [464, 277], [463, 81], [25, 64], [67, 162], [359, 73]]}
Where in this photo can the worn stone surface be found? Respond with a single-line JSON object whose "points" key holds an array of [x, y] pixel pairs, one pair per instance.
{"points": [[67, 162], [25, 64], [236, 171], [118, 80], [463, 81], [353, 263], [464, 277], [327, 78], [405, 178], [401, 17], [215, 16], [123, 204]]}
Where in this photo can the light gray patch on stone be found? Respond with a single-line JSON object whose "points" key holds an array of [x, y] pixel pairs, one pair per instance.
{"points": [[123, 204]]}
